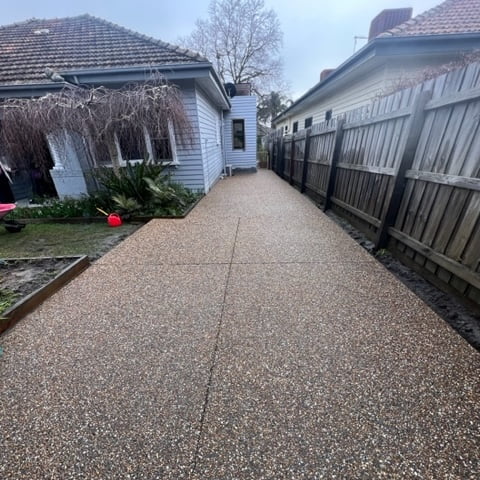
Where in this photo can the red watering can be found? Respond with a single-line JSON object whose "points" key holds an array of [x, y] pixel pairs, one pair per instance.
{"points": [[113, 219]]}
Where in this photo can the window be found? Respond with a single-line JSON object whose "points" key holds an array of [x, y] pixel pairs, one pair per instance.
{"points": [[328, 115], [308, 122], [295, 127], [163, 148], [134, 146], [238, 130]]}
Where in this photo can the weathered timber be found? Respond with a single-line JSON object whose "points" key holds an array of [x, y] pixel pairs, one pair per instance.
{"points": [[367, 218], [445, 179], [413, 135], [442, 260], [333, 164], [306, 154], [367, 168]]}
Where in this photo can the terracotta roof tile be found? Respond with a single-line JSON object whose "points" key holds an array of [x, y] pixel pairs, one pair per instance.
{"points": [[28, 48], [450, 17]]}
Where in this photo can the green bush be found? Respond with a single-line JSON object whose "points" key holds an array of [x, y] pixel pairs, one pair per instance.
{"points": [[129, 181], [140, 189], [67, 208]]}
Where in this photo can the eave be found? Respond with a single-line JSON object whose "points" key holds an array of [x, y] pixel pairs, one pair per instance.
{"points": [[202, 72], [375, 53]]}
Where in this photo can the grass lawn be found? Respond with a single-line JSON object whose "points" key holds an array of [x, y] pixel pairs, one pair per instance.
{"points": [[56, 239]]}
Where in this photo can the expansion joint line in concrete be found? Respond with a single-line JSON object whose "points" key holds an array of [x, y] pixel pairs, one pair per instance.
{"points": [[215, 352]]}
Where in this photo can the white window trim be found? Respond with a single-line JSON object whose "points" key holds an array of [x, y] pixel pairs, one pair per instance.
{"points": [[149, 147]]}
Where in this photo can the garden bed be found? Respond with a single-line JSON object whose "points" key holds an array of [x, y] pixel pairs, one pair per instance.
{"points": [[101, 219], [26, 282]]}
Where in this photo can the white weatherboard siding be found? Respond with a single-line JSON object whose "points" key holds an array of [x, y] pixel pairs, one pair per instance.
{"points": [[189, 171], [358, 92], [243, 107], [209, 118], [342, 96], [412, 68]]}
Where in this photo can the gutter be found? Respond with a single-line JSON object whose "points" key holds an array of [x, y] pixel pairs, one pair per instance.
{"points": [[380, 44], [30, 90], [206, 67]]}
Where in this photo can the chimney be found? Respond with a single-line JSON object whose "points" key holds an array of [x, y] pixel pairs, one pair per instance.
{"points": [[388, 19], [243, 89], [325, 73]]}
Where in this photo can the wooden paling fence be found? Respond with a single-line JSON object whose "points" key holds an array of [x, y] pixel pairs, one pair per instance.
{"points": [[406, 171]]}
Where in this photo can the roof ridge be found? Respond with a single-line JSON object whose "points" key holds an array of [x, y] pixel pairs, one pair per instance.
{"points": [[147, 38], [418, 18]]}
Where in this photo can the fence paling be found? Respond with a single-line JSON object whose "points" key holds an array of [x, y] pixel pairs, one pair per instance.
{"points": [[413, 136], [333, 165], [306, 154], [406, 174]]}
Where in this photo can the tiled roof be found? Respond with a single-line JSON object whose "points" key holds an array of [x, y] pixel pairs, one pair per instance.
{"points": [[450, 17], [74, 43]]}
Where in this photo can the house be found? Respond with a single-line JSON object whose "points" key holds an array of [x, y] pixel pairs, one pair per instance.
{"points": [[399, 48], [43, 56]]}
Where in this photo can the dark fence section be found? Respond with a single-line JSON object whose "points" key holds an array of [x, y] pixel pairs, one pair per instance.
{"points": [[406, 171]]}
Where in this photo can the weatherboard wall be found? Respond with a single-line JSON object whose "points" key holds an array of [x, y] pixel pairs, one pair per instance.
{"points": [[209, 122], [357, 92], [190, 171], [243, 107]]}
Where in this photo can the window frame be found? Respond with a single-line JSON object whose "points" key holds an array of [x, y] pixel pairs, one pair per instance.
{"points": [[295, 127], [308, 122], [236, 120], [150, 149]]}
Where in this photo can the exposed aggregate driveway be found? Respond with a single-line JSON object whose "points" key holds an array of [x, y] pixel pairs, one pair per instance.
{"points": [[252, 340]]}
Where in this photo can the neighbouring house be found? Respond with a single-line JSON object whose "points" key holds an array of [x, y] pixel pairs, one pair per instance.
{"points": [[399, 48], [38, 57]]}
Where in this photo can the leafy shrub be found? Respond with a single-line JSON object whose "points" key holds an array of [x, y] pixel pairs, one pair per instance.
{"points": [[129, 181], [141, 189], [67, 208]]}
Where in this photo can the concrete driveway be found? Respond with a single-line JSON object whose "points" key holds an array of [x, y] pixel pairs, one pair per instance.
{"points": [[252, 340]]}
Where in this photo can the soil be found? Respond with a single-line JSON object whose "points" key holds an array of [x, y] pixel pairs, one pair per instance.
{"points": [[458, 316], [24, 276]]}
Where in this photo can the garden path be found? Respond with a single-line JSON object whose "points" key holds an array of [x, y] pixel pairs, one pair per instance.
{"points": [[252, 340]]}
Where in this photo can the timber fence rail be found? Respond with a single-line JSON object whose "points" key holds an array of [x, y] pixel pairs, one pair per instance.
{"points": [[405, 171]]}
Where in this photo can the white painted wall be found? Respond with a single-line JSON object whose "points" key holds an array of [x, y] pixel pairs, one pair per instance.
{"points": [[360, 90], [243, 107], [189, 171], [357, 92], [209, 123]]}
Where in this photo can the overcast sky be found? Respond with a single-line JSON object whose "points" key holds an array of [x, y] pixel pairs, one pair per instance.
{"points": [[318, 34]]}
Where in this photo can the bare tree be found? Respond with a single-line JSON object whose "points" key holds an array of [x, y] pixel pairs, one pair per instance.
{"points": [[242, 38], [96, 114]]}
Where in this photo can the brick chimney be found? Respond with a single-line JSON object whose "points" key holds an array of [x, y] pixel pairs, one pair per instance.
{"points": [[388, 19], [325, 73]]}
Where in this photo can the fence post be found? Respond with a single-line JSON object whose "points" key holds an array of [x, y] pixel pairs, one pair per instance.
{"points": [[292, 160], [271, 144], [282, 158], [332, 174], [400, 181], [306, 154]]}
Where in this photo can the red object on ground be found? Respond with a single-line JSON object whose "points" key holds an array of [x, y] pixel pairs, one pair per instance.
{"points": [[114, 220], [5, 208]]}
